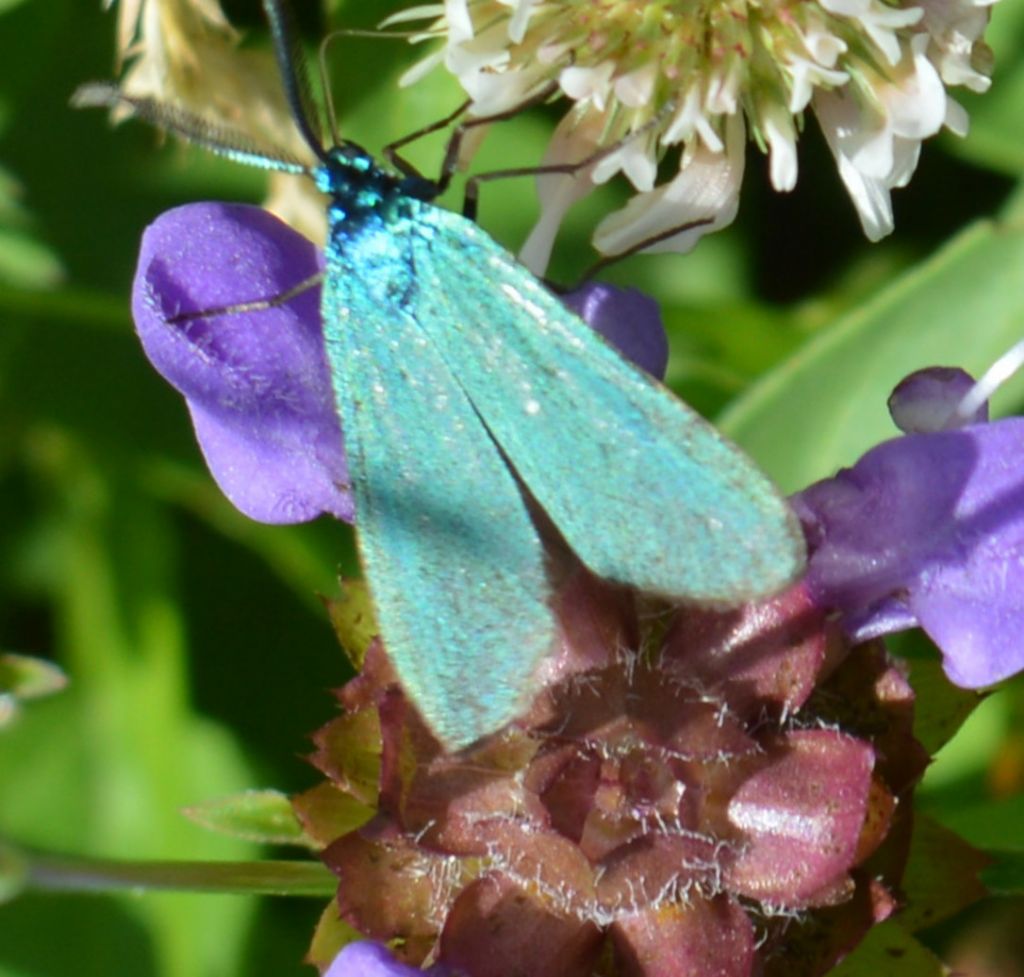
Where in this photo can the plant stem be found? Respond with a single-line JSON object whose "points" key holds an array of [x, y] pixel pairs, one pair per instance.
{"points": [[63, 873]]}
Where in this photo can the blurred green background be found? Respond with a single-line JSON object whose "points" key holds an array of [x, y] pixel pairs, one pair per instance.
{"points": [[199, 654]]}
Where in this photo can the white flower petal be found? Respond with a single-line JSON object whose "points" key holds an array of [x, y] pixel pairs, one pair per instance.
{"points": [[879, 21], [874, 71], [839, 117], [421, 68], [780, 134], [640, 164], [871, 151], [954, 26], [520, 20], [460, 24], [607, 167], [824, 46], [708, 135], [722, 95], [636, 88], [635, 157], [706, 188], [574, 139], [957, 121], [535, 253], [805, 76], [686, 120], [429, 11], [906, 153], [495, 92], [548, 54], [916, 103], [588, 84], [872, 200], [487, 52]]}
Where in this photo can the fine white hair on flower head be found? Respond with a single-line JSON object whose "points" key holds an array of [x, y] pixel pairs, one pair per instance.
{"points": [[652, 77]]}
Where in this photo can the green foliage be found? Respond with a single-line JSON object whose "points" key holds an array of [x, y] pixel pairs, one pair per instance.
{"points": [[943, 875], [1005, 877], [265, 816], [826, 406], [890, 951], [941, 707], [13, 873]]}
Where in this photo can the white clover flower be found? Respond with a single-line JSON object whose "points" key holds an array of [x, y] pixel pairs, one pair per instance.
{"points": [[650, 77]]}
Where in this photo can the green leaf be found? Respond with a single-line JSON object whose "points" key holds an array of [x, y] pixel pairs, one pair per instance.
{"points": [[995, 139], [332, 933], [1005, 876], [986, 821], [13, 873], [26, 262], [827, 404], [941, 707], [941, 877], [890, 951], [967, 755], [264, 816], [328, 813], [353, 620]]}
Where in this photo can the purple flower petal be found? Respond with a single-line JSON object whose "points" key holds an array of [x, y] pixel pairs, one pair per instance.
{"points": [[975, 611], [628, 319], [929, 525], [927, 400], [366, 959], [256, 383], [886, 617]]}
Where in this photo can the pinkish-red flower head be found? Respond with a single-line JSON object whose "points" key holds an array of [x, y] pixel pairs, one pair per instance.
{"points": [[688, 794]]}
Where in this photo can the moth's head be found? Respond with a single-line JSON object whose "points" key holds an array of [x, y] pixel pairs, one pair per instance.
{"points": [[346, 168]]}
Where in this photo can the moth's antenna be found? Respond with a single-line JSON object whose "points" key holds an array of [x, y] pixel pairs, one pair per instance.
{"points": [[997, 374], [332, 117], [218, 139], [293, 75], [325, 85]]}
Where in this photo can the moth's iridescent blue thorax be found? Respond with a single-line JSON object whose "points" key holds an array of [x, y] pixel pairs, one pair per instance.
{"points": [[359, 188]]}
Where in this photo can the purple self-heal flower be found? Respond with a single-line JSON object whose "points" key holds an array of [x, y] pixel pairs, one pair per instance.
{"points": [[928, 530], [257, 383]]}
